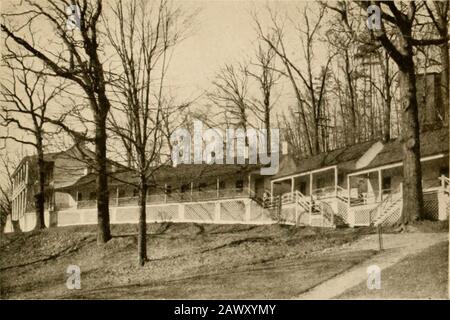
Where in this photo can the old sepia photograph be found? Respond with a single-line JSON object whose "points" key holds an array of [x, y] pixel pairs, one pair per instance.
{"points": [[242, 151]]}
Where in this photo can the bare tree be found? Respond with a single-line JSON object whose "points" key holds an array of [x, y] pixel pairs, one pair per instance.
{"points": [[26, 97], [137, 115], [308, 83], [401, 19], [74, 55], [230, 94], [263, 71]]}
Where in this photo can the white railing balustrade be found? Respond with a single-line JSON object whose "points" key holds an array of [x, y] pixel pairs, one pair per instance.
{"points": [[173, 197]]}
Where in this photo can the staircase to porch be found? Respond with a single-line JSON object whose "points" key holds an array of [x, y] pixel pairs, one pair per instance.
{"points": [[389, 211], [320, 212]]}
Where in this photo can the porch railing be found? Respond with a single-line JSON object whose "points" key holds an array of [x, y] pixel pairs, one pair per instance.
{"points": [[445, 183], [172, 197]]}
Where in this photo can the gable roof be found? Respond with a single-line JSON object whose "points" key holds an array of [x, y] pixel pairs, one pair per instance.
{"points": [[432, 142], [344, 158]]}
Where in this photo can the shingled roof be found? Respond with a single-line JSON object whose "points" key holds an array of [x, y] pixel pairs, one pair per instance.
{"points": [[181, 174], [344, 158], [432, 142]]}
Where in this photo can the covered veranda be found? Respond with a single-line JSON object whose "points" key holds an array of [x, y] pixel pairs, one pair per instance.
{"points": [[321, 183], [373, 185]]}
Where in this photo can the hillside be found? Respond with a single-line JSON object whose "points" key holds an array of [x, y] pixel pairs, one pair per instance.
{"points": [[186, 261]]}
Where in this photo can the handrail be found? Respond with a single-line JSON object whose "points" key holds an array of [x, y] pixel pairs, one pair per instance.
{"points": [[397, 193], [445, 183]]}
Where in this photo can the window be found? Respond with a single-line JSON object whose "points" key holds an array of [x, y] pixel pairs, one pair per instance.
{"points": [[93, 195], [320, 183], [169, 190], [185, 188], [222, 184], [240, 185], [386, 183], [202, 186], [80, 196], [303, 187]]}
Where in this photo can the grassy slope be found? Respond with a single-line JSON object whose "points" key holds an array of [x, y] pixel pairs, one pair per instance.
{"points": [[187, 261], [424, 275]]}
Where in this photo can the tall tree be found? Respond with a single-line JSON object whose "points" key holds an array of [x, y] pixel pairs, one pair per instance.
{"points": [[230, 94], [74, 55], [400, 17], [263, 71], [308, 81], [26, 97], [139, 87]]}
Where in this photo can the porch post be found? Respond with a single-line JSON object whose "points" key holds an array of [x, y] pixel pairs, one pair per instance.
{"points": [[165, 192], [271, 191], [348, 188], [218, 186], [292, 186], [192, 189], [335, 181], [380, 186], [249, 184], [117, 196], [310, 194]]}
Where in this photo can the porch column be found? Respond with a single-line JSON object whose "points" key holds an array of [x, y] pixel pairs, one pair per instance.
{"points": [[271, 191], [117, 196], [310, 194], [292, 186], [24, 201], [249, 185], [165, 192], [349, 189], [218, 187], [335, 181], [192, 189], [380, 186]]}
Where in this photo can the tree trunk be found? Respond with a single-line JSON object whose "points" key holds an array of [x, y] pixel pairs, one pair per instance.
{"points": [[40, 196], [315, 137], [267, 125], [412, 174], [103, 228], [445, 81], [353, 125], [387, 103], [142, 235]]}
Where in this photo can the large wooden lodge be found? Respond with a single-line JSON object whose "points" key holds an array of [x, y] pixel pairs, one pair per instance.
{"points": [[359, 185]]}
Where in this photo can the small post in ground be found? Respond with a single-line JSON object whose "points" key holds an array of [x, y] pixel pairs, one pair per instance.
{"points": [[380, 238]]}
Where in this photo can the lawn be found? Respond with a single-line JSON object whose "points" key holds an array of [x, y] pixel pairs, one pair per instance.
{"points": [[186, 261], [420, 276]]}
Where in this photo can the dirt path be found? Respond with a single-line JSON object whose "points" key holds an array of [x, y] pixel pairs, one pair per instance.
{"points": [[396, 248]]}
